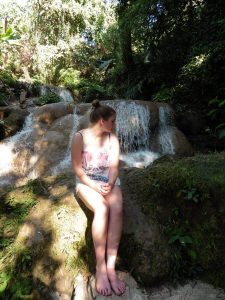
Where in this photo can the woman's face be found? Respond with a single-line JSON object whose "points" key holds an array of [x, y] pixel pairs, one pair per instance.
{"points": [[109, 125]]}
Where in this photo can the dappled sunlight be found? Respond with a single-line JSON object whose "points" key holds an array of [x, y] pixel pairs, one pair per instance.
{"points": [[46, 243]]}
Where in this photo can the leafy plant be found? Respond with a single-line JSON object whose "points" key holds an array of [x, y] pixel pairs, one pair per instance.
{"points": [[3, 99], [48, 98], [217, 113], [183, 239], [163, 95]]}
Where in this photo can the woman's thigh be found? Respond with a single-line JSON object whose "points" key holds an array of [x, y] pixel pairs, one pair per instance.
{"points": [[92, 199], [115, 198]]}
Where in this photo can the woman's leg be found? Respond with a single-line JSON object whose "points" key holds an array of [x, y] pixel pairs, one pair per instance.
{"points": [[115, 224], [100, 207]]}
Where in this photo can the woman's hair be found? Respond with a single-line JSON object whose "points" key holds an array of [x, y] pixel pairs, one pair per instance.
{"points": [[100, 112]]}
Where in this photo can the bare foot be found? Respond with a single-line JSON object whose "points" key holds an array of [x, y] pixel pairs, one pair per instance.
{"points": [[102, 283], [117, 285]]}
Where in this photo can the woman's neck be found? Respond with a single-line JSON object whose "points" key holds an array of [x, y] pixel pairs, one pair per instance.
{"points": [[97, 131]]}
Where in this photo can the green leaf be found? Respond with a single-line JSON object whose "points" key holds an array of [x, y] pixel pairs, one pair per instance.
{"points": [[185, 240], [192, 254], [213, 101], [220, 126], [173, 239], [221, 103], [221, 134], [4, 279], [213, 112]]}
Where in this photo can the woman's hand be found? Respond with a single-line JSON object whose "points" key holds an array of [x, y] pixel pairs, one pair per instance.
{"points": [[106, 188], [102, 188]]}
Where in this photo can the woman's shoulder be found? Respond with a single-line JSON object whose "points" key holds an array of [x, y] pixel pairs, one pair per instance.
{"points": [[78, 136], [81, 132], [113, 136], [114, 139]]}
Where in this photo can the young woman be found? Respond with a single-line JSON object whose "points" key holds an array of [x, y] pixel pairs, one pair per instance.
{"points": [[95, 159]]}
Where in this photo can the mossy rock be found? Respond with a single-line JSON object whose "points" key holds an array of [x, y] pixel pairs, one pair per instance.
{"points": [[48, 98], [42, 233], [185, 199]]}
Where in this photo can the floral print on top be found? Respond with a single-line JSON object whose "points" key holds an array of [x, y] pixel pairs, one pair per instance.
{"points": [[96, 163]]}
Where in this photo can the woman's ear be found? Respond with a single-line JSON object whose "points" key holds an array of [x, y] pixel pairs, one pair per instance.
{"points": [[101, 122]]}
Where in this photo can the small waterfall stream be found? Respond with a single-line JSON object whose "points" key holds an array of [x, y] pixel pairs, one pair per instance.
{"points": [[20, 157], [11, 148], [132, 125], [165, 130], [65, 164]]}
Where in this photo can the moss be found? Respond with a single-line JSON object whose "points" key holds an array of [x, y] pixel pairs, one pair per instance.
{"points": [[48, 98], [186, 198]]}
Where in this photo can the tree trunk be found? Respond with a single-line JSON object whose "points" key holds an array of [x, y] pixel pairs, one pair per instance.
{"points": [[125, 36]]}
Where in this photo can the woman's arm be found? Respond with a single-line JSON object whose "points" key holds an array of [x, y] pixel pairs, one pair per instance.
{"points": [[76, 157], [114, 159]]}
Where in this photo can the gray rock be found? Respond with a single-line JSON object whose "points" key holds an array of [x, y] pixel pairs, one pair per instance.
{"points": [[85, 289], [194, 290]]}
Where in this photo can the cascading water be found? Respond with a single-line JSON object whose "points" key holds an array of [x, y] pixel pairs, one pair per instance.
{"points": [[65, 164], [65, 94], [132, 125], [11, 148], [29, 153], [133, 130], [165, 130]]}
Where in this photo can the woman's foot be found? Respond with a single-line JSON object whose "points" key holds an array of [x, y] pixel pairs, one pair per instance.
{"points": [[117, 285], [102, 283]]}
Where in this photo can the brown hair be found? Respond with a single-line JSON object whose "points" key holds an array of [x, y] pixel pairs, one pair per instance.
{"points": [[100, 112]]}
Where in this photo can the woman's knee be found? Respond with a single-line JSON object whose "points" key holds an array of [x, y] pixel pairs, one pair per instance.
{"points": [[101, 207], [117, 206]]}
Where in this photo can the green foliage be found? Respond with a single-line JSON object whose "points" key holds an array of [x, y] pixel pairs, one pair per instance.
{"points": [[7, 78], [15, 258], [163, 95], [69, 77], [4, 99], [186, 198], [217, 114], [90, 90], [48, 98]]}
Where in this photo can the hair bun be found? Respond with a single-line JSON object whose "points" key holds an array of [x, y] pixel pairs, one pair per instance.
{"points": [[95, 103]]}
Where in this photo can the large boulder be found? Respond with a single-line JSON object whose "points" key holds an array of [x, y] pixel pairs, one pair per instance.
{"points": [[13, 120], [50, 112], [171, 140], [174, 219], [191, 122]]}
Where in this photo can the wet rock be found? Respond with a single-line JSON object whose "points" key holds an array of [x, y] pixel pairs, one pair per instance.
{"points": [[191, 122], [142, 235], [50, 112], [14, 121]]}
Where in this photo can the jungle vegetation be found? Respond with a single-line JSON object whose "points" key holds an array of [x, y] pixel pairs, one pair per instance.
{"points": [[158, 50]]}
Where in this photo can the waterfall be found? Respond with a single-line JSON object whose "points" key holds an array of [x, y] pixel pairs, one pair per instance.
{"points": [[65, 164], [64, 93], [11, 148], [132, 125], [165, 130], [133, 130], [28, 154]]}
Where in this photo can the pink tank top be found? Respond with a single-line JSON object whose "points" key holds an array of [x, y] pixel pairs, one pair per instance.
{"points": [[96, 163]]}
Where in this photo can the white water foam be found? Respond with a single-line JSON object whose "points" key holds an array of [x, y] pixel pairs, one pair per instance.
{"points": [[140, 159], [10, 149]]}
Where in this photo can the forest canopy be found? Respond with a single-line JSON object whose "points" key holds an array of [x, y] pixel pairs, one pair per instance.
{"points": [[171, 51]]}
